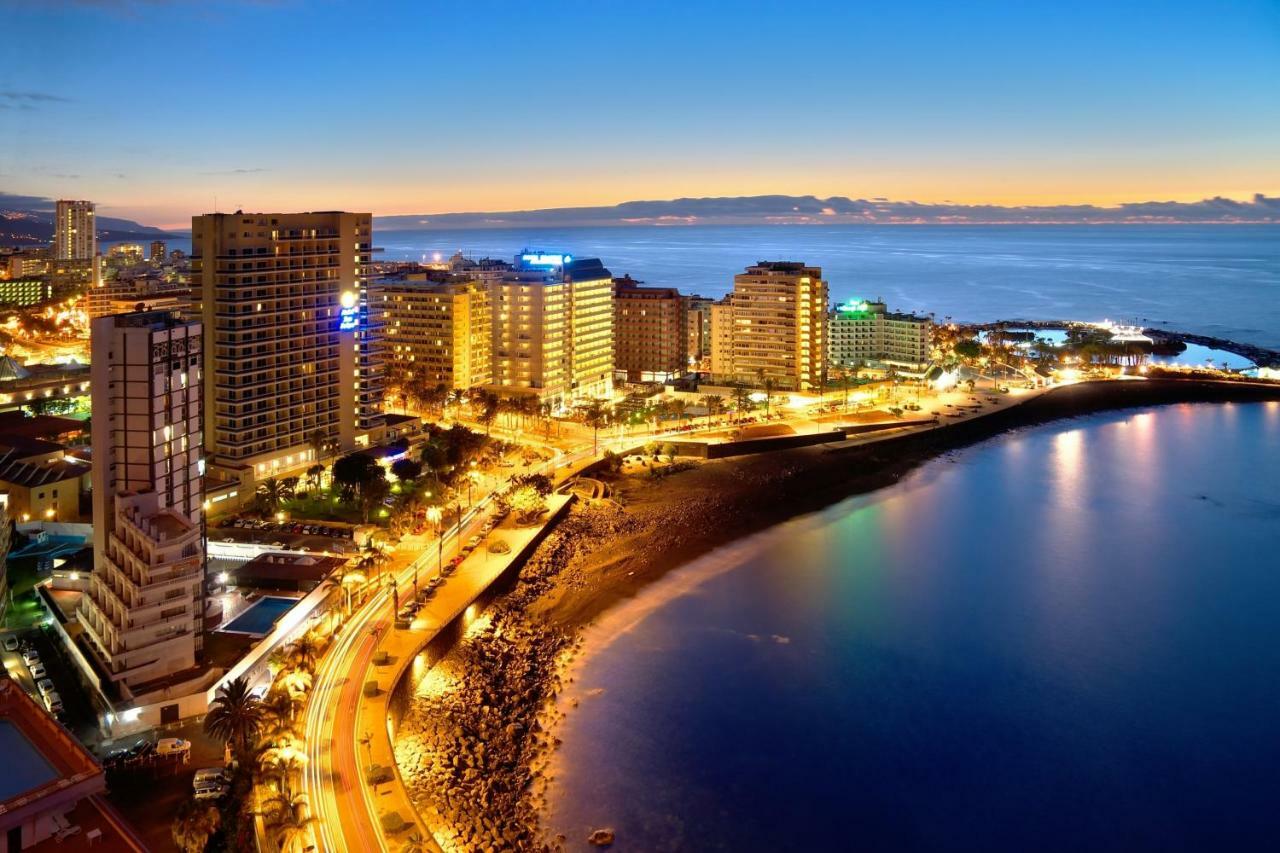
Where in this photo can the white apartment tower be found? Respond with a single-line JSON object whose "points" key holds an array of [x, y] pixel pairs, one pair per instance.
{"points": [[144, 608], [295, 344], [75, 237], [864, 333]]}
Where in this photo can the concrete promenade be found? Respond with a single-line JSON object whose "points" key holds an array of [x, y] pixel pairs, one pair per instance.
{"points": [[363, 746]]}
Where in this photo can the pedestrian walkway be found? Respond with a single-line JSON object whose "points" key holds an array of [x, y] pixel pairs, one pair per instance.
{"points": [[397, 648]]}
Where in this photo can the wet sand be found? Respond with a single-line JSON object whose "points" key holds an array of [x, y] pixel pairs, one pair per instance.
{"points": [[479, 735]]}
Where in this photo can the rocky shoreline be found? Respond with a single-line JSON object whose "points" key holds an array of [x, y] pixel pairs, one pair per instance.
{"points": [[474, 746]]}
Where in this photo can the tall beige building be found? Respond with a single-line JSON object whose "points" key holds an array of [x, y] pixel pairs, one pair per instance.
{"points": [[75, 236], [553, 328], [778, 330], [440, 332], [295, 342], [720, 345], [143, 610]]}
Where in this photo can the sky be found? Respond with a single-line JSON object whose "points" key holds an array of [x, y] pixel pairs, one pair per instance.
{"points": [[158, 110]]}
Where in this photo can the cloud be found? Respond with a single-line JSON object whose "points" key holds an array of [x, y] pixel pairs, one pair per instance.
{"points": [[18, 99], [802, 210], [236, 172], [13, 201]]}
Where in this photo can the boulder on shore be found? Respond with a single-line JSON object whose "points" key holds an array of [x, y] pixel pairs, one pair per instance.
{"points": [[601, 838]]}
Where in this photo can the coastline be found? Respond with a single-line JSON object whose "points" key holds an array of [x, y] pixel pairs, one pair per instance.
{"points": [[605, 555]]}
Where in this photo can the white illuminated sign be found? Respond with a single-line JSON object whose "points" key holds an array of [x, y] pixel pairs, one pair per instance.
{"points": [[539, 259]]}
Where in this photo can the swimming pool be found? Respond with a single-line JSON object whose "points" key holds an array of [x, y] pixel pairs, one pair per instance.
{"points": [[260, 617], [25, 767]]}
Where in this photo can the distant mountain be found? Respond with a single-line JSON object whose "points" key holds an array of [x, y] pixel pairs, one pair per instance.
{"points": [[28, 220], [837, 210]]}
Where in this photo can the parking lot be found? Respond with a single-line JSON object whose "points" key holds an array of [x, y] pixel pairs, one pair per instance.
{"points": [[326, 536], [149, 792], [78, 713]]}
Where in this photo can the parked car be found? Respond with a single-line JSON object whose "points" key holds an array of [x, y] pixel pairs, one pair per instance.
{"points": [[11, 642], [45, 686], [30, 656], [53, 701], [209, 776], [211, 792], [38, 671], [172, 746]]}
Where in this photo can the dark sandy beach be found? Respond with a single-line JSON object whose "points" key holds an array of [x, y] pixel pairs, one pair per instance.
{"points": [[480, 781]]}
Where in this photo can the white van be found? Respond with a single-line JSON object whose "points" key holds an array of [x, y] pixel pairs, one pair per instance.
{"points": [[207, 776]]}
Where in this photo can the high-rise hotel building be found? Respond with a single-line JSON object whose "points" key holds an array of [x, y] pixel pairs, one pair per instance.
{"points": [[651, 332], [76, 263], [143, 610], [294, 341], [553, 328], [437, 331], [776, 327], [75, 237], [868, 333]]}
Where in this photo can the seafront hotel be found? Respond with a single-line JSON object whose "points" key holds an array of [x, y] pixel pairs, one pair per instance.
{"points": [[294, 340]]}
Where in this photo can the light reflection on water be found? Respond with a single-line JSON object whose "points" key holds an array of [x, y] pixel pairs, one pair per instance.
{"points": [[1062, 639]]}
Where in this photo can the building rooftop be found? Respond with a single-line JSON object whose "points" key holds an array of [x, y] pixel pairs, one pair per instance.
{"points": [[272, 567], [42, 759], [156, 320], [28, 474], [17, 424], [629, 287]]}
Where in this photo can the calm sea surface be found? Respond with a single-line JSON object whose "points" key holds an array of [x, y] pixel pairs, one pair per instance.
{"points": [[1222, 281], [1062, 639]]}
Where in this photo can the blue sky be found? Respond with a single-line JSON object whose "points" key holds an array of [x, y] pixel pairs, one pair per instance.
{"points": [[154, 108]]}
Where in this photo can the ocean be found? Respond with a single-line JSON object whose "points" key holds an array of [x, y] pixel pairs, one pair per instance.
{"points": [[1215, 280], [1061, 639]]}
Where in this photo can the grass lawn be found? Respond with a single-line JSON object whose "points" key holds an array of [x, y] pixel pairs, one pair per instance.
{"points": [[323, 507]]}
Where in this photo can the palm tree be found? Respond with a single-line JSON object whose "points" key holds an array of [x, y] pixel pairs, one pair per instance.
{"points": [[235, 716], [271, 493], [282, 760], [195, 824], [321, 444], [714, 405], [595, 415], [304, 652], [314, 473], [283, 805], [434, 516], [768, 397], [741, 399], [277, 722], [292, 832]]}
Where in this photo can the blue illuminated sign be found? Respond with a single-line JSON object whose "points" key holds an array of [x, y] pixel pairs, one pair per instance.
{"points": [[540, 259], [348, 319]]}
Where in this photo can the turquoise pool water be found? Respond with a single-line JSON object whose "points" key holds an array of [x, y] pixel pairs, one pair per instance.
{"points": [[261, 616]]}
